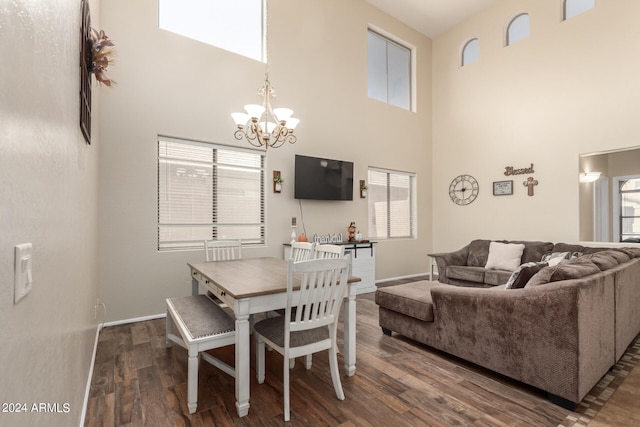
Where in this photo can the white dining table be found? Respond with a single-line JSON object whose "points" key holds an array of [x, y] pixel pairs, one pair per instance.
{"points": [[259, 285]]}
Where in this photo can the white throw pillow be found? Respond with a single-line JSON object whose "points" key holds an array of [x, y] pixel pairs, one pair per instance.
{"points": [[556, 258], [504, 256]]}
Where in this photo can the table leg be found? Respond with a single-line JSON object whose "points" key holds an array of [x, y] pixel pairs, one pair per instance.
{"points": [[349, 316], [195, 286], [243, 356]]}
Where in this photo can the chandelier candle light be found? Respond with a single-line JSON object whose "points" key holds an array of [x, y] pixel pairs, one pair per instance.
{"points": [[263, 125]]}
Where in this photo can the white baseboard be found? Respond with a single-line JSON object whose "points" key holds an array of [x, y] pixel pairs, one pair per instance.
{"points": [[135, 319], [95, 350], [390, 279], [85, 402]]}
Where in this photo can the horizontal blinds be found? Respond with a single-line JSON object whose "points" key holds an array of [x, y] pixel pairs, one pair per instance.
{"points": [[207, 192], [390, 198]]}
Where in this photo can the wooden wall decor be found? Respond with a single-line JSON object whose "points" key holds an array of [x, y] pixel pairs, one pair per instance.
{"points": [[85, 74], [277, 182]]}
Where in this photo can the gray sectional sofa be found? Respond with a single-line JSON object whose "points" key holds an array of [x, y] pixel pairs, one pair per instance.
{"points": [[466, 266], [560, 333]]}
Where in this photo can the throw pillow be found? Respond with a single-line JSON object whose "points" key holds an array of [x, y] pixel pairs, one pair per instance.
{"points": [[556, 258], [542, 277], [504, 256], [523, 274]]}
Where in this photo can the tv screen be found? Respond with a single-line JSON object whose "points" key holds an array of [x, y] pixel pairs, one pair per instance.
{"points": [[323, 179]]}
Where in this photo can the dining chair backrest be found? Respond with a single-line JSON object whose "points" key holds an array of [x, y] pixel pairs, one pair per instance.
{"points": [[310, 319], [222, 250], [329, 251], [301, 251], [323, 286]]}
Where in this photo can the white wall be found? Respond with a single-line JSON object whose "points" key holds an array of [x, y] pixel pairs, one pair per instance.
{"points": [[174, 86], [48, 197], [571, 88]]}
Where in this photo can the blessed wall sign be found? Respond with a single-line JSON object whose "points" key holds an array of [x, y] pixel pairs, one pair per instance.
{"points": [[510, 170]]}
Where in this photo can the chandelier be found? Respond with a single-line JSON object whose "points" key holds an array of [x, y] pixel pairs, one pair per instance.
{"points": [[262, 125]]}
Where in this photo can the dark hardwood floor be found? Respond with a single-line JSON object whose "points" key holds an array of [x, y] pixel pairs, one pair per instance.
{"points": [[137, 381]]}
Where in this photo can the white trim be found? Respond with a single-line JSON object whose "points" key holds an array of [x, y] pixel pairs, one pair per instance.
{"points": [[135, 319], [391, 279], [85, 401]]}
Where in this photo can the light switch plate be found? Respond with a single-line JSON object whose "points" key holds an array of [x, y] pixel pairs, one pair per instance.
{"points": [[23, 278]]}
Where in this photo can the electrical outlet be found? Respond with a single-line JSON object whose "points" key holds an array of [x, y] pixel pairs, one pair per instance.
{"points": [[23, 277]]}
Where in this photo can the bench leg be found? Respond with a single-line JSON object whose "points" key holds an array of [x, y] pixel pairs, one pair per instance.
{"points": [[192, 380], [169, 329], [386, 331]]}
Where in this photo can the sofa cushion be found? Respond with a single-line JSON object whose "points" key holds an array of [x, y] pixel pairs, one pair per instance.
{"points": [[631, 252], [411, 299], [504, 256], [478, 253], [496, 277], [533, 250], [521, 276], [572, 270], [575, 269], [620, 256], [463, 272], [603, 261], [567, 247]]}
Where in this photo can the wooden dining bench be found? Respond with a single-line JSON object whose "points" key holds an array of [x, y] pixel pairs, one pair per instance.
{"points": [[201, 325]]}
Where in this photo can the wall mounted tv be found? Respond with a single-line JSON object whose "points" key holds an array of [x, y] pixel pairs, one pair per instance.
{"points": [[323, 179]]}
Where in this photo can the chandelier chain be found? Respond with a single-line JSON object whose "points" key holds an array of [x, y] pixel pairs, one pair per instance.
{"points": [[263, 126]]}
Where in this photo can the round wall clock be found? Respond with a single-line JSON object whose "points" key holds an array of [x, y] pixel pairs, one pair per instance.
{"points": [[463, 189]]}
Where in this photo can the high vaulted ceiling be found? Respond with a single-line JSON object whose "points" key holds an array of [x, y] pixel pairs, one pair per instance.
{"points": [[431, 17]]}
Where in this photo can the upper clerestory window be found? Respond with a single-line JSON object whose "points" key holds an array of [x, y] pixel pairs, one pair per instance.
{"points": [[518, 29], [470, 52], [233, 25], [575, 7], [390, 74]]}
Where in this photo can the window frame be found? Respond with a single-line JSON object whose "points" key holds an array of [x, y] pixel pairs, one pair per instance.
{"points": [[578, 11], [508, 35], [412, 198], [228, 19], [620, 182], [391, 39], [196, 244], [464, 59]]}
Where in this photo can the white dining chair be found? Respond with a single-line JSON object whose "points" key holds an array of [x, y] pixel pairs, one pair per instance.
{"points": [[222, 250], [198, 324], [302, 251], [312, 326], [329, 251]]}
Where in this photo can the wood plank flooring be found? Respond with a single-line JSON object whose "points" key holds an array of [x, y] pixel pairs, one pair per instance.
{"points": [[137, 381]]}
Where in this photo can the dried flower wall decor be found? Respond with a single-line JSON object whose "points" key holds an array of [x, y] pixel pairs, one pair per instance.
{"points": [[96, 53], [101, 56]]}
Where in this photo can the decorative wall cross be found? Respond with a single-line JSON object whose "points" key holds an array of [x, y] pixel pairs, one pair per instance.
{"points": [[530, 183]]}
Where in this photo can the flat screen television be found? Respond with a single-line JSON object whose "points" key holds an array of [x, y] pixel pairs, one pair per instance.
{"points": [[323, 179]]}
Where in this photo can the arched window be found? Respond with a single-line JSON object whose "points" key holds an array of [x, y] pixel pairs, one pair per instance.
{"points": [[518, 29], [575, 7], [470, 52]]}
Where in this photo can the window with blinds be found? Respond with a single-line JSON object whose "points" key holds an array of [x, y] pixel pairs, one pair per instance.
{"points": [[391, 197], [208, 192]]}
